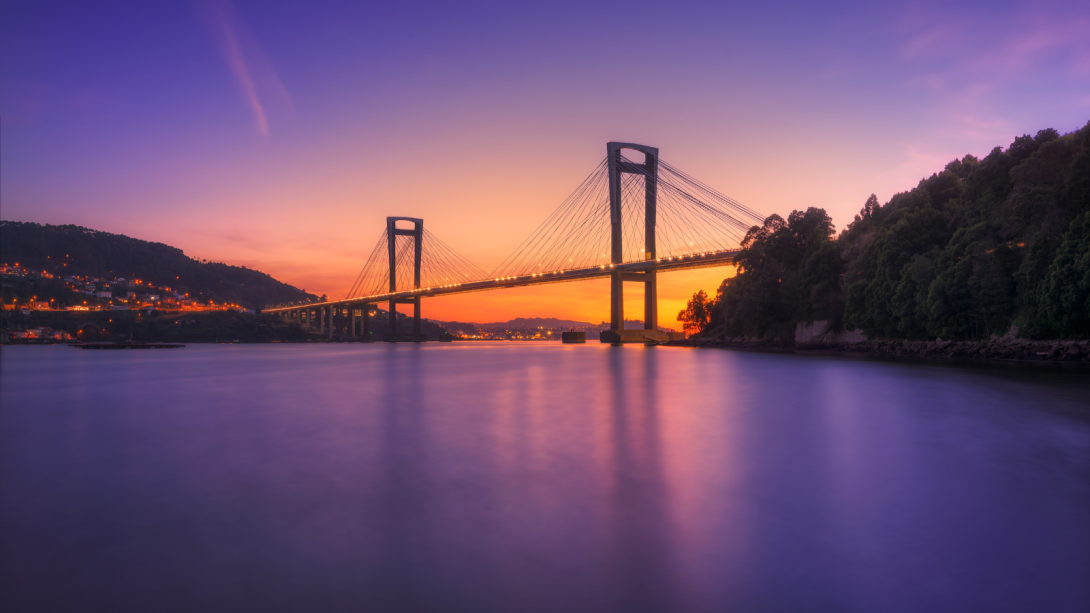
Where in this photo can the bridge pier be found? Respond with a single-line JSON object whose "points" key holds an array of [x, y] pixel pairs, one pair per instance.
{"points": [[366, 327], [351, 321], [392, 232], [416, 336], [649, 169]]}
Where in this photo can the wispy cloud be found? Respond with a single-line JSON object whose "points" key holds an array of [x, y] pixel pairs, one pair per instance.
{"points": [[983, 77], [247, 61], [976, 55]]}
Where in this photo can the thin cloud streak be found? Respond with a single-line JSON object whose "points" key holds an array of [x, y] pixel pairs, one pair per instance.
{"points": [[246, 60]]}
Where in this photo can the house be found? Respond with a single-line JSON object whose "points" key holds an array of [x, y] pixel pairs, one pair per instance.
{"points": [[50, 333], [104, 293]]}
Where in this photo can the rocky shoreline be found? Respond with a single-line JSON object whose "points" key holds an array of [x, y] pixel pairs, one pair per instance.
{"points": [[994, 349]]}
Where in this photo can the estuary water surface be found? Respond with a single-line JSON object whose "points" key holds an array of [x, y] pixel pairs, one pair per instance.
{"points": [[536, 477]]}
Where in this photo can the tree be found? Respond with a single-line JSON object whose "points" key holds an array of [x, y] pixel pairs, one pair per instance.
{"points": [[696, 314], [788, 270]]}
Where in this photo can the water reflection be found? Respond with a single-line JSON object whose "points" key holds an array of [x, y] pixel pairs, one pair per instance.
{"points": [[536, 477]]}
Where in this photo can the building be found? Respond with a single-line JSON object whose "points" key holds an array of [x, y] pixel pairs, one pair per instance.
{"points": [[104, 293]]}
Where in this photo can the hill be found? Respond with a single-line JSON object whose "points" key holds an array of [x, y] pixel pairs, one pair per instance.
{"points": [[972, 250], [518, 323], [75, 250], [531, 323]]}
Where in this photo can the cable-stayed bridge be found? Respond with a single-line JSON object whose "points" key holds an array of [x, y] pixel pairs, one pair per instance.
{"points": [[629, 220]]}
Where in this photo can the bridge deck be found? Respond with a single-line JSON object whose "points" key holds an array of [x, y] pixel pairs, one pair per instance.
{"points": [[699, 260]]}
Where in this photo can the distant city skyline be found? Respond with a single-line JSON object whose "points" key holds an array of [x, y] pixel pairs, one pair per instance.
{"points": [[279, 137]]}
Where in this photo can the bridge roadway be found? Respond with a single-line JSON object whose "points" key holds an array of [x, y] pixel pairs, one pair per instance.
{"points": [[697, 260]]}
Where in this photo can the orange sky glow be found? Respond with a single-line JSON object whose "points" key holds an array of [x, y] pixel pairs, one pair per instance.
{"points": [[277, 138]]}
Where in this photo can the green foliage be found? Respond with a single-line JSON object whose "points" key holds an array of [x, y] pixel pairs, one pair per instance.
{"points": [[972, 250], [1064, 299], [787, 270]]}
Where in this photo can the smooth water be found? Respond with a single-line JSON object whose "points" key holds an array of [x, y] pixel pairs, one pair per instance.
{"points": [[536, 477]]}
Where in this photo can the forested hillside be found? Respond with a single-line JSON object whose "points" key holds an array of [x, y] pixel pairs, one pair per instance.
{"points": [[76, 250], [972, 250]]}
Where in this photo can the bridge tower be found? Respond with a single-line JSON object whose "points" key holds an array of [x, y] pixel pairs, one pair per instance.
{"points": [[649, 170], [392, 232]]}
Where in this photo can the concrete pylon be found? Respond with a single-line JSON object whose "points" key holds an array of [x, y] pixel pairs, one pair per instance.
{"points": [[392, 232], [650, 171]]}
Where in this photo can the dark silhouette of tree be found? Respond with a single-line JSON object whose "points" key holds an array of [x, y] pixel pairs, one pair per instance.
{"points": [[696, 314], [970, 251]]}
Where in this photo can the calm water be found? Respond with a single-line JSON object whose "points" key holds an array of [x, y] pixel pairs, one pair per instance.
{"points": [[534, 477]]}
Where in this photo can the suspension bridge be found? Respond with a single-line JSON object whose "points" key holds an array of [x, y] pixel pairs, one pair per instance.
{"points": [[629, 220]]}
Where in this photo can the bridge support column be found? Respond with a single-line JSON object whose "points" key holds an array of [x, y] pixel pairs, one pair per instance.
{"points": [[393, 321], [651, 301], [352, 321], [392, 232], [331, 312], [618, 166], [616, 301], [416, 317], [321, 321]]}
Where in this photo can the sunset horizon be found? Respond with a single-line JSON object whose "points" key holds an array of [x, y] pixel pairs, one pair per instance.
{"points": [[232, 139]]}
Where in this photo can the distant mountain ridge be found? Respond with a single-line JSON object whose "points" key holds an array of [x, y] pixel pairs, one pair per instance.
{"points": [[518, 323], [70, 249], [528, 323]]}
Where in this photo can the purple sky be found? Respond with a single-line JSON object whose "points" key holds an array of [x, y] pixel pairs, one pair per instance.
{"points": [[280, 135]]}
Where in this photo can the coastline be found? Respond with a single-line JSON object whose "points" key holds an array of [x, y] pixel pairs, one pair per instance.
{"points": [[1006, 350]]}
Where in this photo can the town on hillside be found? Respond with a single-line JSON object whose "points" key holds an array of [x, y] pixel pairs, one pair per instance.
{"points": [[87, 293]]}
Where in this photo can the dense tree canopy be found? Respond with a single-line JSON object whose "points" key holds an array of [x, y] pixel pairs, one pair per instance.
{"points": [[972, 250]]}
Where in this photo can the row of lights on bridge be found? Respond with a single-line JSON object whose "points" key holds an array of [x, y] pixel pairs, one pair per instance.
{"points": [[532, 276]]}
